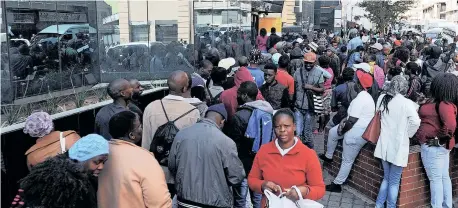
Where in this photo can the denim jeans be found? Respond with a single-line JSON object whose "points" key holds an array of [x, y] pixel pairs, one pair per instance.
{"points": [[389, 189], [304, 126], [352, 144], [436, 161], [241, 193]]}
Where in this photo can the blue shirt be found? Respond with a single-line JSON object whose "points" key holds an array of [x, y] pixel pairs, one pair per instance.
{"points": [[356, 56], [380, 59], [258, 76], [353, 43]]}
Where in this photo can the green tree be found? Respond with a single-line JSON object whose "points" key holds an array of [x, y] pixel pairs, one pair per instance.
{"points": [[384, 13]]}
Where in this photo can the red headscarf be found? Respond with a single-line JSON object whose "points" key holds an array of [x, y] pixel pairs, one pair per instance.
{"points": [[365, 79]]}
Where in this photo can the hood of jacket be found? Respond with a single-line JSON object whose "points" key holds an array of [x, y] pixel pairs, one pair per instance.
{"points": [[193, 101], [431, 64], [296, 53], [262, 105], [242, 75]]}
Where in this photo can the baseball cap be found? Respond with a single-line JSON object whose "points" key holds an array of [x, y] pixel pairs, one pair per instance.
{"points": [[363, 66], [310, 57], [313, 46], [226, 63], [365, 79], [377, 46]]}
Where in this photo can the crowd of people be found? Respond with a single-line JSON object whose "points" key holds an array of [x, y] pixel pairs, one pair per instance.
{"points": [[240, 125]]}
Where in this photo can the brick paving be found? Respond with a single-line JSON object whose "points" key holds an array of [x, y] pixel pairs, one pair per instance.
{"points": [[349, 198]]}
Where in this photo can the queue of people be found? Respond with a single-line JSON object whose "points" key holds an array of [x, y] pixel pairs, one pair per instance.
{"points": [[238, 126]]}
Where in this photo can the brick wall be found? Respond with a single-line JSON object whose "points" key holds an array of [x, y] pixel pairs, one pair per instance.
{"points": [[367, 174]]}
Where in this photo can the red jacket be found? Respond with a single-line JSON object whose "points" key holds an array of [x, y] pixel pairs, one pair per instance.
{"points": [[229, 97], [300, 167]]}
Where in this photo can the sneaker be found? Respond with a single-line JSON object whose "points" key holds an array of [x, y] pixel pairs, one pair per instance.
{"points": [[334, 188], [325, 159]]}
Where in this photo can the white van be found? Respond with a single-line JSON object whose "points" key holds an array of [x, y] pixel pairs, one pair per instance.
{"points": [[63, 32]]}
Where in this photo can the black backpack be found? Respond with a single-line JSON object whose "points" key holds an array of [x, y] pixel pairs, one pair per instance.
{"points": [[213, 100], [163, 138]]}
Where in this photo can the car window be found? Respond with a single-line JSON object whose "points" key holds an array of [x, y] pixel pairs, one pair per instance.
{"points": [[431, 35]]}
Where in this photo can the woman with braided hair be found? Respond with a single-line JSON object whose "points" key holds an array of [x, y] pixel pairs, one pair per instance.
{"points": [[58, 183], [67, 180], [436, 136]]}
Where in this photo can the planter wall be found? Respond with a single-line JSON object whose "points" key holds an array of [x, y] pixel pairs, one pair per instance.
{"points": [[15, 143]]}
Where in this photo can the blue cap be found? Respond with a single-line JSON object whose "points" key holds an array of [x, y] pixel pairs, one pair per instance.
{"points": [[276, 58], [88, 147], [219, 108]]}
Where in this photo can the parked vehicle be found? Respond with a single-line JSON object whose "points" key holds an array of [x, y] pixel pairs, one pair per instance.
{"points": [[63, 32], [438, 34], [21, 40]]}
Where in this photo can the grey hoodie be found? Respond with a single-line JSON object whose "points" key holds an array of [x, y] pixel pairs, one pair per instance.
{"points": [[261, 105]]}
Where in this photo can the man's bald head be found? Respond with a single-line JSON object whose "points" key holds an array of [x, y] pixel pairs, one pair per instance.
{"points": [[117, 87], [178, 82], [243, 61], [134, 81], [137, 88]]}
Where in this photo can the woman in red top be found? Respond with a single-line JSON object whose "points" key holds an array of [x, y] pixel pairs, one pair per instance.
{"points": [[286, 162], [261, 40], [436, 135]]}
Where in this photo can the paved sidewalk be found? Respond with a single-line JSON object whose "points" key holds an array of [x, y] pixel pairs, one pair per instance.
{"points": [[349, 198]]}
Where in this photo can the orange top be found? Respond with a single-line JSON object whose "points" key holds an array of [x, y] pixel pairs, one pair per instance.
{"points": [[49, 146], [300, 167], [286, 80]]}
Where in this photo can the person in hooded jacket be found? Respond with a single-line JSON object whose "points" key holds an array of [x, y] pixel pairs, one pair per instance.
{"points": [[229, 97], [435, 65], [247, 99], [297, 61]]}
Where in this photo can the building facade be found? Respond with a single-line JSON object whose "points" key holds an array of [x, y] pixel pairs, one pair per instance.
{"points": [[440, 9], [155, 21]]}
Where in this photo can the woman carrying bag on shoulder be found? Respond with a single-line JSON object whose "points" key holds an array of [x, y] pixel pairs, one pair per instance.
{"points": [[49, 143], [399, 122], [436, 136]]}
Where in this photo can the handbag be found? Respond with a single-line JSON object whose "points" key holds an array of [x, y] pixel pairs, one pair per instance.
{"points": [[318, 104], [372, 132], [274, 201], [314, 101]]}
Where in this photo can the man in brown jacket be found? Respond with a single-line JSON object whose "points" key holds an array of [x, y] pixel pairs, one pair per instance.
{"points": [[131, 176], [175, 105]]}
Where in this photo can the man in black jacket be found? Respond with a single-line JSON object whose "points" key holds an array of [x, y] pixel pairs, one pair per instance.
{"points": [[273, 38], [274, 93]]}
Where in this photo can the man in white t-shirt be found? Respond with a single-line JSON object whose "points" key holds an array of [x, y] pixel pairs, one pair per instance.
{"points": [[360, 113]]}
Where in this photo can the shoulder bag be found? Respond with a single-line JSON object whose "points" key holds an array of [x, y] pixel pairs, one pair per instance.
{"points": [[372, 132]]}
